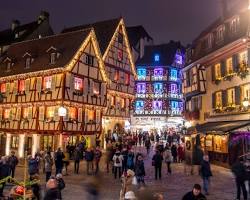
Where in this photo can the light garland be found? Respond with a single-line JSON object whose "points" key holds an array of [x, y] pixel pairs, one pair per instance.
{"points": [[120, 94]]}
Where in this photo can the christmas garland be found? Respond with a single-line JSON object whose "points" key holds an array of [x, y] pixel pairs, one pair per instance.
{"points": [[15, 182]]}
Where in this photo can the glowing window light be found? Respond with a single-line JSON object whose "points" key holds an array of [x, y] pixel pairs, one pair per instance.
{"points": [[141, 88], [173, 88], [157, 105], [78, 84], [21, 86], [158, 87], [50, 112], [25, 112], [141, 73], [91, 114], [3, 88], [173, 75], [157, 57], [6, 114], [72, 113], [47, 82], [139, 105]]}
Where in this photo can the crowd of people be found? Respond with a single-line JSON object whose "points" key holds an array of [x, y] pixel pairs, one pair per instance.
{"points": [[124, 159]]}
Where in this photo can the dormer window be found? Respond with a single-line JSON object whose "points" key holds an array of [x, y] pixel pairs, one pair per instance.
{"points": [[220, 33], [78, 84], [27, 63], [234, 25], [52, 58], [89, 60]]}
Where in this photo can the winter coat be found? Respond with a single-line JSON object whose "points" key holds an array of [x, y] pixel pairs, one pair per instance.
{"points": [[174, 151], [77, 156], [190, 196], [33, 166], [98, 155], [168, 156], [48, 163], [53, 194], [4, 170], [157, 159], [130, 160], [13, 161], [118, 158], [59, 156], [239, 171], [60, 183], [139, 168], [181, 152], [89, 155], [205, 169]]}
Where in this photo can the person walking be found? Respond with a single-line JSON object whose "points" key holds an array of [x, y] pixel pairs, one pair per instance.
{"points": [[98, 155], [125, 159], [195, 194], [130, 160], [59, 156], [168, 159], [174, 152], [89, 156], [157, 163], [66, 161], [48, 162], [117, 159], [4, 172], [147, 145], [206, 173], [33, 165], [77, 158], [13, 162], [239, 171], [140, 170], [181, 154]]}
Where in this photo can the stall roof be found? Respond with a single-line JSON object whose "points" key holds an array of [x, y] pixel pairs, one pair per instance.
{"points": [[225, 126]]}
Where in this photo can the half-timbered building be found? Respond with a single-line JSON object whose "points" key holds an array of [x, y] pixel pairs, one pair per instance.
{"points": [[120, 69], [158, 104], [41, 76], [216, 85]]}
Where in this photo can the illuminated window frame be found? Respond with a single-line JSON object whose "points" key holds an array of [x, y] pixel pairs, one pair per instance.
{"points": [[47, 82]]}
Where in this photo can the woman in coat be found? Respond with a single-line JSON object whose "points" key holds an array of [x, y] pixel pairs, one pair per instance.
{"points": [[140, 169], [48, 163], [206, 173]]}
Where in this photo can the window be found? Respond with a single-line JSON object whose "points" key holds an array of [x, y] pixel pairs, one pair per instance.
{"points": [[178, 59], [209, 40], [156, 57], [27, 63], [112, 100], [14, 142], [141, 88], [231, 97], [116, 77], [217, 71], [47, 82], [246, 92], [127, 78], [25, 113], [141, 74], [139, 105], [89, 60], [91, 115], [119, 55], [243, 59], [234, 25], [52, 58], [72, 113], [122, 103], [174, 105], [218, 99], [120, 38], [173, 89], [158, 73], [78, 84], [47, 142], [173, 75], [96, 88], [229, 66], [220, 33], [3, 88], [21, 86], [6, 113], [158, 88], [50, 112], [157, 105]]}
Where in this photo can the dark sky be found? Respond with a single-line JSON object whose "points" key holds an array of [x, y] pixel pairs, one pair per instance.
{"points": [[164, 19]]}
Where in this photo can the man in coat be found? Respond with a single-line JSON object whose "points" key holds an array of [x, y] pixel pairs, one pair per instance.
{"points": [[13, 161], [59, 156], [4, 172]]}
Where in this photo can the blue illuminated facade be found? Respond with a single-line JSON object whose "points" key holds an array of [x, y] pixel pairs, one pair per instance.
{"points": [[158, 88]]}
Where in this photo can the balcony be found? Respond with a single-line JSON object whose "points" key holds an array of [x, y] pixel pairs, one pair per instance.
{"points": [[157, 78]]}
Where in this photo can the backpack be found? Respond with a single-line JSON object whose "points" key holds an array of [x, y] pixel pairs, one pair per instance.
{"points": [[117, 160]]}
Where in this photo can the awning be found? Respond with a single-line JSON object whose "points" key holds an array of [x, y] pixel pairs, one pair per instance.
{"points": [[226, 126]]}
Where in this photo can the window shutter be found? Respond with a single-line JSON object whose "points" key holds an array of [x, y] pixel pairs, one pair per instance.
{"points": [[85, 86], [11, 114], [213, 73], [15, 87], [19, 112], [56, 115], [224, 98], [86, 118], [223, 68], [39, 84], [1, 113], [248, 57], [79, 114], [213, 101], [237, 95], [103, 89], [53, 83], [7, 88], [235, 63], [30, 113], [41, 113], [27, 86], [91, 85]]}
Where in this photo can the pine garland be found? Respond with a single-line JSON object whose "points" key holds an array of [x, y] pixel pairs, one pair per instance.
{"points": [[20, 183]]}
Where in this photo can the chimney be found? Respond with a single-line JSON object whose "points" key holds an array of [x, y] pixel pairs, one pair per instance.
{"points": [[14, 24], [44, 15], [224, 8]]}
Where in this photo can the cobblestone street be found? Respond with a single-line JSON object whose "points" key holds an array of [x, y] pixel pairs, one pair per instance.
{"points": [[172, 186]]}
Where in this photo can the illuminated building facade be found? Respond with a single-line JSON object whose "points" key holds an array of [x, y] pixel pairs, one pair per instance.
{"points": [[158, 102]]}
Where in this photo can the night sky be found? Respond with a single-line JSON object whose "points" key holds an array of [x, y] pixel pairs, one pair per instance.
{"points": [[164, 19]]}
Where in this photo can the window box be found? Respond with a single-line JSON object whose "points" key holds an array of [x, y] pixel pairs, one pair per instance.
{"points": [[229, 77], [217, 81], [243, 71], [218, 109], [230, 107]]}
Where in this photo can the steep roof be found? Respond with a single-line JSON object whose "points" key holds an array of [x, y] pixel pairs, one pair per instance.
{"points": [[66, 44], [135, 33], [104, 31], [166, 51]]}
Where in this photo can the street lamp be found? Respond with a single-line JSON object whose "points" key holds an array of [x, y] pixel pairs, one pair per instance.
{"points": [[245, 103], [62, 112]]}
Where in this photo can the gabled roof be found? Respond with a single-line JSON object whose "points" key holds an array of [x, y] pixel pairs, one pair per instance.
{"points": [[104, 31], [135, 33], [67, 45], [166, 52]]}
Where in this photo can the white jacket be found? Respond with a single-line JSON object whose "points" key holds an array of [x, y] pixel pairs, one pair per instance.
{"points": [[118, 160]]}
